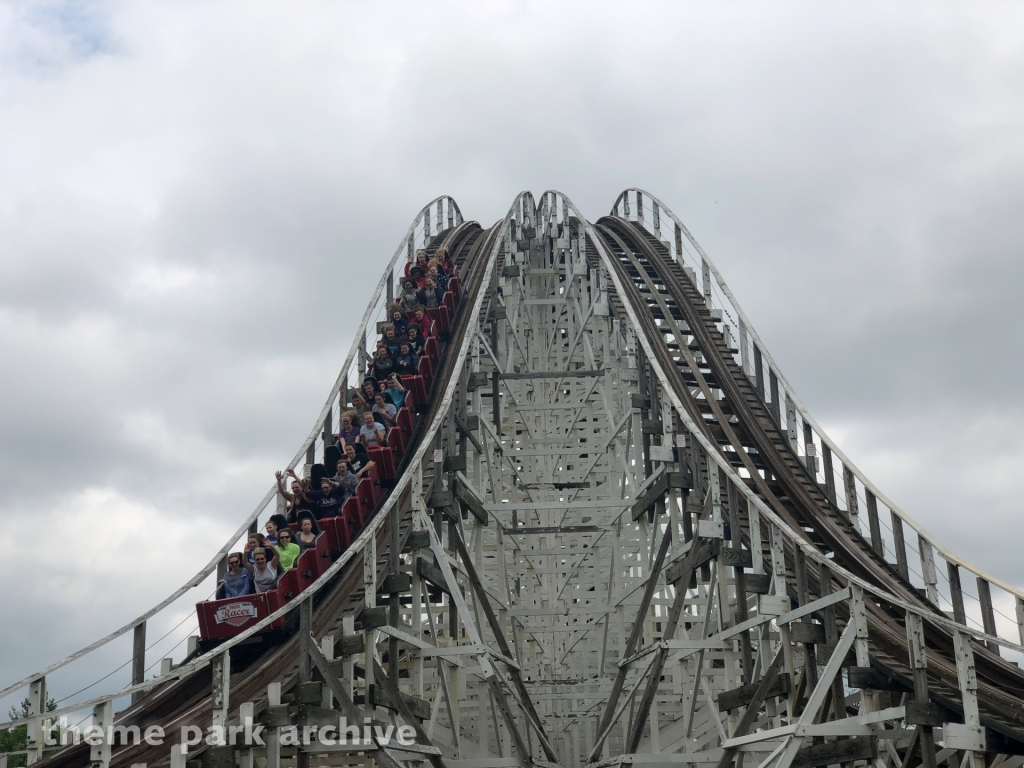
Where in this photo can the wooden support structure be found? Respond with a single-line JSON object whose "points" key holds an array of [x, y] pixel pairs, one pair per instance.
{"points": [[610, 541]]}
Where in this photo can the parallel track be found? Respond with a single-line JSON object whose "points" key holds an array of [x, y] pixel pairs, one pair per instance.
{"points": [[656, 283]]}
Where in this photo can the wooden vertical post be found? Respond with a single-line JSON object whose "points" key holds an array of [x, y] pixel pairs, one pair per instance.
{"points": [[758, 373], [1019, 606], [370, 600], [809, 452], [348, 628], [831, 636], [830, 475], [34, 741], [328, 433], [744, 354], [988, 615], [305, 638], [220, 698], [900, 545], [791, 424], [103, 717], [919, 665], [956, 593], [138, 658], [706, 275], [967, 676], [876, 531], [394, 607], [741, 583], [773, 387], [850, 488], [327, 649], [246, 715], [859, 616], [931, 579], [273, 740]]}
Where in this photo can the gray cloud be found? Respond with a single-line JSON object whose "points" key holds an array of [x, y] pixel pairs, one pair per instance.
{"points": [[195, 204]]}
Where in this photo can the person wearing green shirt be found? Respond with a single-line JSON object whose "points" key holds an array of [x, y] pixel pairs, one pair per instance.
{"points": [[287, 550]]}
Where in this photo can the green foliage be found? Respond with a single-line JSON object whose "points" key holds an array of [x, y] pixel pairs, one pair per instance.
{"points": [[13, 739]]}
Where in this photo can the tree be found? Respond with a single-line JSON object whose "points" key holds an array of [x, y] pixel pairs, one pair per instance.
{"points": [[13, 739]]}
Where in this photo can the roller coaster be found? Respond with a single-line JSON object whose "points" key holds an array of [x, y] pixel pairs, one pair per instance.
{"points": [[606, 533]]}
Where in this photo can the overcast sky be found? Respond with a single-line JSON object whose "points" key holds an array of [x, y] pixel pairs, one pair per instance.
{"points": [[197, 199]]}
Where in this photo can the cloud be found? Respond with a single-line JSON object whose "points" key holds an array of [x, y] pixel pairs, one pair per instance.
{"points": [[195, 201]]}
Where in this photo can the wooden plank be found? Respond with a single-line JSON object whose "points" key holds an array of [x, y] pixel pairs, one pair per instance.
{"points": [[578, 374], [806, 632], [834, 752], [395, 583], [469, 500], [758, 583], [380, 697], [430, 572], [454, 463], [416, 540], [926, 713], [440, 498], [706, 551], [735, 558], [679, 480], [876, 680], [371, 618], [742, 696], [540, 530]]}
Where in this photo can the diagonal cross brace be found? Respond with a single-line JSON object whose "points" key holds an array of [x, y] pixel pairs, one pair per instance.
{"points": [[385, 682], [654, 676], [524, 697], [636, 634], [750, 713], [382, 757]]}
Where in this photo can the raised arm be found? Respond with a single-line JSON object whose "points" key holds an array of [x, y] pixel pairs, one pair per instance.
{"points": [[280, 484]]}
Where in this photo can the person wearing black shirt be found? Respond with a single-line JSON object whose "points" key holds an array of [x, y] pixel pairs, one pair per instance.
{"points": [[358, 459]]}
